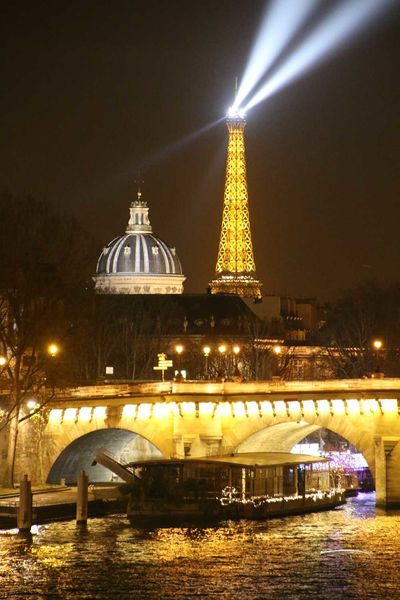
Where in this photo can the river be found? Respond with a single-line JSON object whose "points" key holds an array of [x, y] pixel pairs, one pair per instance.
{"points": [[276, 559]]}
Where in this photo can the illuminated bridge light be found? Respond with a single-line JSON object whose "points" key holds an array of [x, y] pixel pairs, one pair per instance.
{"points": [[161, 410], [309, 406], [372, 405], [70, 414], [338, 407], [252, 409], [239, 409], [323, 407], [55, 415], [389, 406], [294, 409], [85, 413], [188, 408], [144, 411], [174, 408], [129, 410], [99, 412], [353, 406], [206, 408], [280, 408], [224, 409], [266, 408]]}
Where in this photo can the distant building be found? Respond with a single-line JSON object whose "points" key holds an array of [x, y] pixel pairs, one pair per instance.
{"points": [[301, 317]]}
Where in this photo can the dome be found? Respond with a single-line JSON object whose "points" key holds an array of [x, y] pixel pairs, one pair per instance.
{"points": [[138, 262]]}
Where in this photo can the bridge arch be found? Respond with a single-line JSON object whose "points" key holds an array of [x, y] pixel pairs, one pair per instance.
{"points": [[282, 436], [123, 444]]}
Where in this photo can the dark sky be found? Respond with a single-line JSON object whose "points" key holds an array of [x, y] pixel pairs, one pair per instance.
{"points": [[91, 91]]}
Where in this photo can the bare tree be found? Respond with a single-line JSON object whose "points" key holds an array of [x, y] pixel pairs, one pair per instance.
{"points": [[43, 265]]}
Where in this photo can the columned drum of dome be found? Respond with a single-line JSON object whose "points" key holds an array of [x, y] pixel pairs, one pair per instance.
{"points": [[138, 262], [235, 270]]}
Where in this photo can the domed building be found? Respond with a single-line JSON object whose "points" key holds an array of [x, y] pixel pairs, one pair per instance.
{"points": [[138, 262]]}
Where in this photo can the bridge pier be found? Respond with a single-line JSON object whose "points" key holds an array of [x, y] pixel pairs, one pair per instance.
{"points": [[387, 471]]}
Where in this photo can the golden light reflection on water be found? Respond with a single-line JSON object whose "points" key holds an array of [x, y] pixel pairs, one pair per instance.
{"points": [[55, 555], [280, 558]]}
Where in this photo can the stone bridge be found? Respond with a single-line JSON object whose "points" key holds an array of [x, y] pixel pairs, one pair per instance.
{"points": [[203, 418]]}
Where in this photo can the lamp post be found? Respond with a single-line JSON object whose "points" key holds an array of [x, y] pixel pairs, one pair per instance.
{"points": [[222, 351], [206, 352], [277, 350], [236, 351], [179, 349], [53, 351], [377, 345]]}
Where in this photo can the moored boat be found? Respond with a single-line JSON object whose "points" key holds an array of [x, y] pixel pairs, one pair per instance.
{"points": [[247, 485]]}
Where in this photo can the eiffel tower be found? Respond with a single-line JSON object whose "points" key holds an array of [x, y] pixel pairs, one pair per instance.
{"points": [[235, 272]]}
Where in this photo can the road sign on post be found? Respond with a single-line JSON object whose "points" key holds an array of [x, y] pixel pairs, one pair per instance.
{"points": [[163, 364]]}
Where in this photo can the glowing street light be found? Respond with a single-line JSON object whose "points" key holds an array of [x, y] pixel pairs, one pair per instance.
{"points": [[236, 349], [222, 349], [206, 352], [179, 349], [3, 361], [277, 349], [378, 345], [53, 350]]}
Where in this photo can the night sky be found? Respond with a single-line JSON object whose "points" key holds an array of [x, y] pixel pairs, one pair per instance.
{"points": [[93, 91]]}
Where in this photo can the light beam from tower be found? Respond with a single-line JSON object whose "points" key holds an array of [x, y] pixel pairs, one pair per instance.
{"points": [[235, 272]]}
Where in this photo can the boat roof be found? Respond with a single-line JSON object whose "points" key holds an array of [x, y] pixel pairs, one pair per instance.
{"points": [[245, 459]]}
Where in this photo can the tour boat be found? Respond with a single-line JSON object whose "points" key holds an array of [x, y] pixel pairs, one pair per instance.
{"points": [[238, 486]]}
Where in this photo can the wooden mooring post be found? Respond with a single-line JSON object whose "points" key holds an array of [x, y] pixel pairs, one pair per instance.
{"points": [[24, 514], [82, 499]]}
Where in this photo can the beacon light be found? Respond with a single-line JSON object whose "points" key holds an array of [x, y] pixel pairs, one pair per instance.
{"points": [[281, 21], [236, 113], [338, 28]]}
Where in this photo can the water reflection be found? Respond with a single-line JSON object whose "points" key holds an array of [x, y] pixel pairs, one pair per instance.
{"points": [[296, 557]]}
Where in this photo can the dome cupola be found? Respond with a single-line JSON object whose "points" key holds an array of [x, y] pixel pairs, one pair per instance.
{"points": [[138, 262]]}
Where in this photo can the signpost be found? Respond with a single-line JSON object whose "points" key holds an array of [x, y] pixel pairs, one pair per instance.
{"points": [[163, 364]]}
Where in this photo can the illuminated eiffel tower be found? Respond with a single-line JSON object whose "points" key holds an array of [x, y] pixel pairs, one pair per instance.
{"points": [[235, 272]]}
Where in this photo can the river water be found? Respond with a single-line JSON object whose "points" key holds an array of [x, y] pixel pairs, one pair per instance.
{"points": [[275, 559]]}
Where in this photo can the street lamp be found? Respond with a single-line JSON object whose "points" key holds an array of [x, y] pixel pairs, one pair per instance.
{"points": [[206, 352], [53, 350], [378, 345], [236, 372], [179, 349], [3, 361], [277, 349], [222, 351]]}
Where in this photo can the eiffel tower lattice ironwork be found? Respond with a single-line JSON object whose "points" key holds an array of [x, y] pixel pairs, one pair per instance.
{"points": [[235, 272]]}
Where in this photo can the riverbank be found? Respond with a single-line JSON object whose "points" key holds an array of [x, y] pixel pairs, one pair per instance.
{"points": [[59, 504]]}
